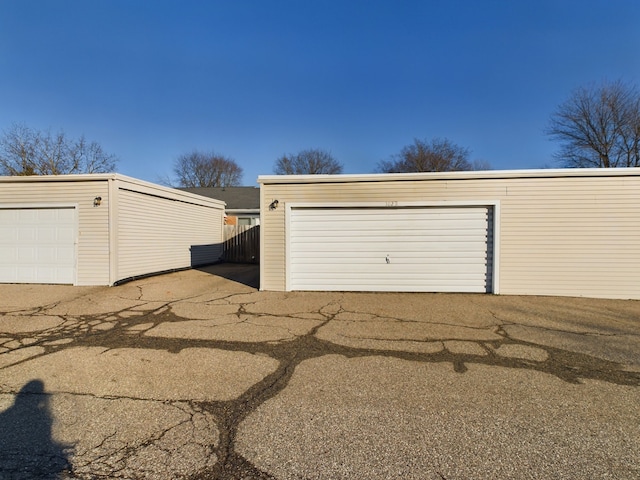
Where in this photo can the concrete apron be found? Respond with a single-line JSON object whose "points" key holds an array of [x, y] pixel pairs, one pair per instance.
{"points": [[198, 375]]}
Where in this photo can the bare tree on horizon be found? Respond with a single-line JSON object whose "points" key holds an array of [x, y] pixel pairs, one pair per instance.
{"points": [[27, 151], [200, 169], [307, 162], [435, 155], [598, 126]]}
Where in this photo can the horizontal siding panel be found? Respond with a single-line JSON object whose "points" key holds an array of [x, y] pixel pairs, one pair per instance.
{"points": [[578, 262], [594, 244], [157, 234], [549, 273]]}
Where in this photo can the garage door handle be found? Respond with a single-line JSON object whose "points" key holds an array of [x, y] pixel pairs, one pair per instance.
{"points": [[388, 259]]}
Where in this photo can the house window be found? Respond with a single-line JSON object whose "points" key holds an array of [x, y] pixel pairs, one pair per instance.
{"points": [[244, 221]]}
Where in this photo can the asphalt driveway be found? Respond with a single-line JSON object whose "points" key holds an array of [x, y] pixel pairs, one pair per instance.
{"points": [[198, 375]]}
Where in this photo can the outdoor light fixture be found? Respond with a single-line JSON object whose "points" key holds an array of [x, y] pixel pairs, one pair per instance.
{"points": [[97, 201], [273, 205]]}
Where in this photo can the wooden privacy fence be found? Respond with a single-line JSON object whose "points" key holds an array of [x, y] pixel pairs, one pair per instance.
{"points": [[242, 243]]}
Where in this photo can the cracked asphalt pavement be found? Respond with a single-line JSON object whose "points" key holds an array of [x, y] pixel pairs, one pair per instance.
{"points": [[197, 375]]}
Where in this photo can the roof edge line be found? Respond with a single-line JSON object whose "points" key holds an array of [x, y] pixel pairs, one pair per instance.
{"points": [[467, 175]]}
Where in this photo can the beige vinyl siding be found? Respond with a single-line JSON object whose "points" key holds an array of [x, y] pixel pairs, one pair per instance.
{"points": [[272, 241], [573, 237], [561, 232], [92, 251], [157, 233]]}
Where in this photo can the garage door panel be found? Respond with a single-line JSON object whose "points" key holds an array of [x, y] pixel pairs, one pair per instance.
{"points": [[439, 244], [400, 213], [66, 255], [401, 222], [476, 234], [26, 216], [403, 279], [395, 225], [351, 249], [46, 254], [406, 265], [47, 234], [6, 234], [408, 285], [7, 272], [26, 234], [407, 271], [26, 253], [66, 235], [428, 249], [372, 255], [426, 258], [44, 271], [25, 275], [437, 285], [37, 245]]}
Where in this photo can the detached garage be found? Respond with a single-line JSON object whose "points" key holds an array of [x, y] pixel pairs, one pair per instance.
{"points": [[101, 229], [534, 232]]}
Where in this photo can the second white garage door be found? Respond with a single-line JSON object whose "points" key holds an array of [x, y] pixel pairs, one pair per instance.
{"points": [[406, 249], [37, 245]]}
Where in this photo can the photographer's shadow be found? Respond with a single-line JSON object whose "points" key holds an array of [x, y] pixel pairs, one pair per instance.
{"points": [[27, 449]]}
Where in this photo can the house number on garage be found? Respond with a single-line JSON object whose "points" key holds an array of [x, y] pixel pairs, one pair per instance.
{"points": [[392, 204]]}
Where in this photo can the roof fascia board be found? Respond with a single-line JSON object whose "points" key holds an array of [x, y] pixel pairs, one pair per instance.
{"points": [[168, 192], [58, 178], [141, 185], [474, 175]]}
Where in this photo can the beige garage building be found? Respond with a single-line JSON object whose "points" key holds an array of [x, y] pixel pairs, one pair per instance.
{"points": [[101, 229], [572, 232]]}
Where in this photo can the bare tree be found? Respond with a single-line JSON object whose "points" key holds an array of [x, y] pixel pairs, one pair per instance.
{"points": [[599, 126], [307, 162], [26, 151], [437, 155], [199, 169], [480, 165], [91, 158]]}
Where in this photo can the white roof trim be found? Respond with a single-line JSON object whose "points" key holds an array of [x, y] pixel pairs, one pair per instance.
{"points": [[144, 186], [473, 175], [247, 211], [82, 177]]}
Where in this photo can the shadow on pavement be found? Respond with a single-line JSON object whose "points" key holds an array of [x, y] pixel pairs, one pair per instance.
{"points": [[246, 274], [27, 449]]}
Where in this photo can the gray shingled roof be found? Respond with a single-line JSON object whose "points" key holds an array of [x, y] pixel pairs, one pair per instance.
{"points": [[235, 197]]}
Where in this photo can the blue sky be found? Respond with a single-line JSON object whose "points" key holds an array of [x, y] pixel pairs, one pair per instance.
{"points": [[253, 80]]}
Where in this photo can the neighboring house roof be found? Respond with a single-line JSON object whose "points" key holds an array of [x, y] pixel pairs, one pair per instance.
{"points": [[236, 198]]}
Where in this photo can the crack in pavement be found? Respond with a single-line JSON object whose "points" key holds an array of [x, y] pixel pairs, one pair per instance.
{"points": [[291, 354], [117, 329]]}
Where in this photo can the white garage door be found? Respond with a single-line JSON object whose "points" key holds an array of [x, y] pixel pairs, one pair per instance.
{"points": [[391, 249], [37, 245]]}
